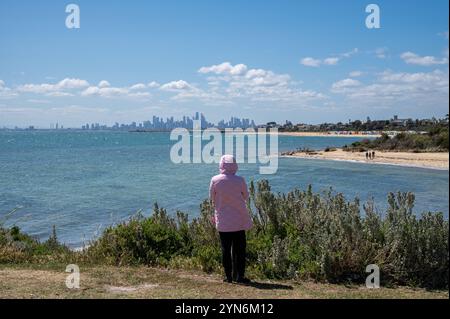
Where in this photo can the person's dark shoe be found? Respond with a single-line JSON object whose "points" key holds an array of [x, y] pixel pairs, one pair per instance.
{"points": [[244, 281], [228, 280]]}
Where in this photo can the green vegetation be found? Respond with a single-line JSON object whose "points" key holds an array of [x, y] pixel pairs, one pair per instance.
{"points": [[299, 235], [434, 141], [394, 124], [18, 248]]}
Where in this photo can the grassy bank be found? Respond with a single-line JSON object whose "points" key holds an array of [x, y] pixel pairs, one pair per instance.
{"points": [[299, 236], [435, 140], [39, 281]]}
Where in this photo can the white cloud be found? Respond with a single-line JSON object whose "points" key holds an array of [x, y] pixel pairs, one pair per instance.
{"points": [[333, 60], [350, 53], [311, 62], [186, 91], [72, 87], [381, 53], [59, 94], [435, 77], [422, 88], [36, 88], [66, 84], [412, 58], [253, 85], [260, 77], [225, 84], [179, 85], [140, 94], [107, 92], [72, 84], [240, 85], [342, 85], [224, 68], [138, 86], [104, 84], [153, 84], [6, 92], [230, 84], [355, 74], [92, 90]]}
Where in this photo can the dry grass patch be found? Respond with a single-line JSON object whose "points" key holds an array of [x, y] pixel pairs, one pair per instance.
{"points": [[145, 282]]}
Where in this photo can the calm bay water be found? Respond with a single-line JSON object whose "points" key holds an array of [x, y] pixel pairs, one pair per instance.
{"points": [[84, 181]]}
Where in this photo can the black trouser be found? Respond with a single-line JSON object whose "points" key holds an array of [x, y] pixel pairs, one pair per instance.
{"points": [[233, 254]]}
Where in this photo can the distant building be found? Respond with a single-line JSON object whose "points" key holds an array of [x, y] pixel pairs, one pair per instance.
{"points": [[399, 122]]}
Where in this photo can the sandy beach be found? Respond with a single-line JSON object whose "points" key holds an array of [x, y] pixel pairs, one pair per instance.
{"points": [[425, 160]]}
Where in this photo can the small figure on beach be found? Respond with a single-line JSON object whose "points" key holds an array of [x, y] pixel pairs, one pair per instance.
{"points": [[229, 194], [367, 155], [373, 154]]}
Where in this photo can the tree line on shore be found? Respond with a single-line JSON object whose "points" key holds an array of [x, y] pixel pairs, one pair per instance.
{"points": [[394, 124], [436, 140]]}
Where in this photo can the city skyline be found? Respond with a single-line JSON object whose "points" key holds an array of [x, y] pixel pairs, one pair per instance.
{"points": [[316, 61], [157, 123]]}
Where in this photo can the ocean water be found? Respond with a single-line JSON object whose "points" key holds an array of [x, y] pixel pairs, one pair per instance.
{"points": [[83, 181]]}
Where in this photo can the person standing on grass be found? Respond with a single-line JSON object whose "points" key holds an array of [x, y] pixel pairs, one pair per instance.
{"points": [[229, 194]]}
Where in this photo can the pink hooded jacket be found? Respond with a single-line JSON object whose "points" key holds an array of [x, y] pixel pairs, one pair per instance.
{"points": [[229, 194]]}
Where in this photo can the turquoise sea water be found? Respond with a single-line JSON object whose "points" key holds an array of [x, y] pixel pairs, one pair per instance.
{"points": [[84, 181]]}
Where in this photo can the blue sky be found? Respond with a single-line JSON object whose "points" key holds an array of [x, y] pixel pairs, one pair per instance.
{"points": [[305, 61]]}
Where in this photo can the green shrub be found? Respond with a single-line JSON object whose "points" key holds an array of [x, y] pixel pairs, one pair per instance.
{"points": [[17, 247], [434, 141], [298, 235], [209, 258]]}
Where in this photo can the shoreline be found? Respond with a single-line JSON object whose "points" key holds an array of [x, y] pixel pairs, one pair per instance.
{"points": [[435, 161], [327, 134]]}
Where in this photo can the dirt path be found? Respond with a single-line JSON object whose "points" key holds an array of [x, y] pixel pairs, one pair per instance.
{"points": [[142, 282]]}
